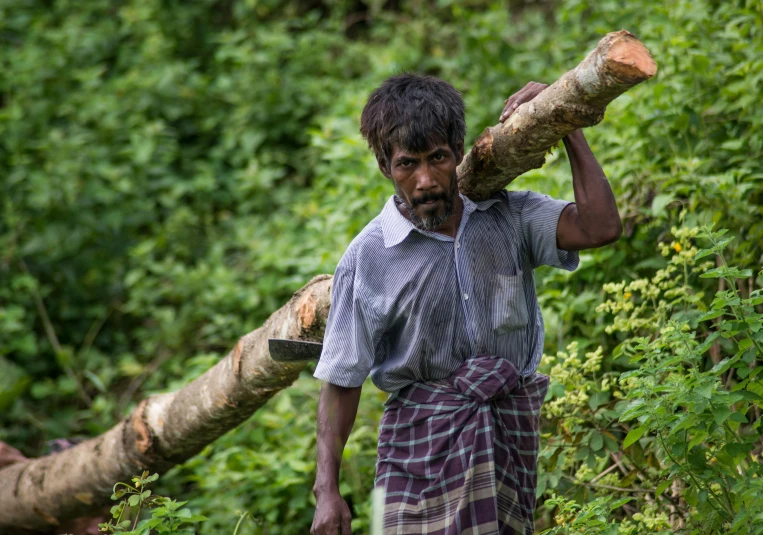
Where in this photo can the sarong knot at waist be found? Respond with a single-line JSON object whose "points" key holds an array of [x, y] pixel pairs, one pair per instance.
{"points": [[480, 379], [486, 378]]}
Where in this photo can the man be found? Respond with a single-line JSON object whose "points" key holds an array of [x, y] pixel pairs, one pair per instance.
{"points": [[435, 298]]}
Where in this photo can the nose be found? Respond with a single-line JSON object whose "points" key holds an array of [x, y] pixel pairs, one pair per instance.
{"points": [[425, 178]]}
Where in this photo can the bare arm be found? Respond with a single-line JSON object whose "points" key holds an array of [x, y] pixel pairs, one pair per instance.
{"points": [[593, 221], [337, 409]]}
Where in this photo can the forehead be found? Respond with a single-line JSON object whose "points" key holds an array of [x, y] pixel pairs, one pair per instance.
{"points": [[400, 152]]}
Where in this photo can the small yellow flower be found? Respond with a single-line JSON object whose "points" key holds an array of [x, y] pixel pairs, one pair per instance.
{"points": [[137, 483], [677, 247], [627, 295]]}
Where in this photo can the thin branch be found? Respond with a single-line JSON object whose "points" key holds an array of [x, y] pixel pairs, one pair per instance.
{"points": [[618, 463], [607, 487], [50, 332], [604, 473], [95, 328]]}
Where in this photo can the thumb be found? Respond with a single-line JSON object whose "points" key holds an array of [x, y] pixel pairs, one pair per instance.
{"points": [[346, 524]]}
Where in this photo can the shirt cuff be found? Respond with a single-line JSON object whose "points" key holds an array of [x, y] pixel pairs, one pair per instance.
{"points": [[568, 260], [337, 376]]}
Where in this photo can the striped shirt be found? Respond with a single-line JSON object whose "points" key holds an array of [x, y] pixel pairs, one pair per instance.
{"points": [[409, 305]]}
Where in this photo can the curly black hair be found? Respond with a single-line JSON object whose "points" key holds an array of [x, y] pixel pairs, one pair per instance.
{"points": [[413, 112]]}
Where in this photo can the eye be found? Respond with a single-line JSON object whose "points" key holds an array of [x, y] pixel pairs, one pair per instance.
{"points": [[439, 157]]}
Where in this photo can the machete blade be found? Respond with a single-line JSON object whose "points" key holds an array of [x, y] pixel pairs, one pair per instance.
{"points": [[293, 350]]}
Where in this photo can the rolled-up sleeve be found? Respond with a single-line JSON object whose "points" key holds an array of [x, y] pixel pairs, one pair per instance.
{"points": [[348, 344], [539, 220]]}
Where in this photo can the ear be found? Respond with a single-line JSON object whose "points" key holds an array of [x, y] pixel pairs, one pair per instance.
{"points": [[383, 168], [460, 148]]}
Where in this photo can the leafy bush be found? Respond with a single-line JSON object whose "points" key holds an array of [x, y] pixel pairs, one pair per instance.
{"points": [[681, 415], [167, 515]]}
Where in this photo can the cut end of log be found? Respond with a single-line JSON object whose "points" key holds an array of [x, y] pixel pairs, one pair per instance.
{"points": [[225, 401], [628, 59], [306, 311], [237, 351], [143, 434], [479, 161], [483, 146]]}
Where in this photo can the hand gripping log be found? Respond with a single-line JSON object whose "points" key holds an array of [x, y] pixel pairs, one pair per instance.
{"points": [[578, 99]]}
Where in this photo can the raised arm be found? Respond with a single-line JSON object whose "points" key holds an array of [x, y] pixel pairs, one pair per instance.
{"points": [[337, 409], [593, 221]]}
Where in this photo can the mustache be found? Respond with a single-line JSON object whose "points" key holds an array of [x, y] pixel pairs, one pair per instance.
{"points": [[441, 196]]}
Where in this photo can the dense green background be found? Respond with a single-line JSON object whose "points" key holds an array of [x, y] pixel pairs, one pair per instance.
{"points": [[170, 172]]}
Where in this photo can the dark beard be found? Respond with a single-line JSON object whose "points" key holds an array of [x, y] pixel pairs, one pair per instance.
{"points": [[430, 223]]}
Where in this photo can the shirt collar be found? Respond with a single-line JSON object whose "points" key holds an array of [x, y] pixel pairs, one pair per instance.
{"points": [[395, 227]]}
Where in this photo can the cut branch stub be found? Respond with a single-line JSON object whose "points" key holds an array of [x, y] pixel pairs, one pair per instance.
{"points": [[578, 99]]}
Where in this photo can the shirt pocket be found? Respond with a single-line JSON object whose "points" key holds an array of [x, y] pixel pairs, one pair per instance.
{"points": [[509, 305]]}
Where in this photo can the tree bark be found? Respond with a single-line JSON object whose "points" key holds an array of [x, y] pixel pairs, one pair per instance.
{"points": [[166, 429], [578, 99]]}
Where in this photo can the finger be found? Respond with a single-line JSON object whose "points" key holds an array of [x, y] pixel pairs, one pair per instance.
{"points": [[526, 94], [346, 525], [506, 107], [513, 99], [538, 88], [509, 107], [511, 104]]}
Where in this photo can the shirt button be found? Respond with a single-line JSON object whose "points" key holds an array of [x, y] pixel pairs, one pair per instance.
{"points": [[466, 296], [458, 245]]}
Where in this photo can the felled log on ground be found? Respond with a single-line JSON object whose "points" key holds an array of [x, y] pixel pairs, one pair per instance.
{"points": [[167, 429], [164, 430]]}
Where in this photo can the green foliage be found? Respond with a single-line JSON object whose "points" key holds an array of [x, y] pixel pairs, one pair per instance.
{"points": [[167, 515], [170, 172], [675, 421]]}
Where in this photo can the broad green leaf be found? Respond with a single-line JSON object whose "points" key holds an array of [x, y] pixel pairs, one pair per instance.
{"points": [[714, 273], [662, 486], [711, 315], [702, 253], [697, 439], [619, 503], [722, 366], [745, 343], [633, 435], [738, 417], [720, 414], [660, 202], [632, 410]]}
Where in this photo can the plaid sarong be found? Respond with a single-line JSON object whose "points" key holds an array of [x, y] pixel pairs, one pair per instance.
{"points": [[458, 456]]}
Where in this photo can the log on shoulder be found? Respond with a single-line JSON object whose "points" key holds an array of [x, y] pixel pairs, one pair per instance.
{"points": [[578, 99], [164, 430]]}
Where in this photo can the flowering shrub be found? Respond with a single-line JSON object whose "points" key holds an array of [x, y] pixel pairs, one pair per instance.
{"points": [[678, 437]]}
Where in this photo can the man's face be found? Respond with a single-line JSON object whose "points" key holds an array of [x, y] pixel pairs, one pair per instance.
{"points": [[426, 183]]}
